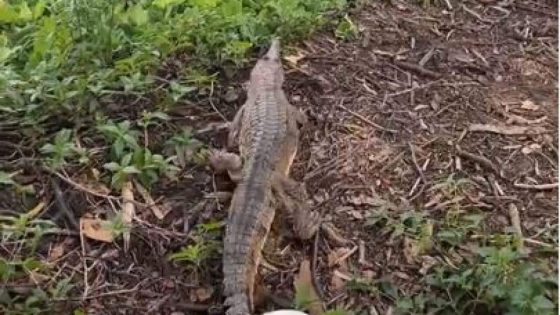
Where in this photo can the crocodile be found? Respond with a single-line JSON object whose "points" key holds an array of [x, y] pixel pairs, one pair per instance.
{"points": [[265, 130]]}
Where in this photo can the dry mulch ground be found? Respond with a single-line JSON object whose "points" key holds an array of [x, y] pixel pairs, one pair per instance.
{"points": [[419, 95]]}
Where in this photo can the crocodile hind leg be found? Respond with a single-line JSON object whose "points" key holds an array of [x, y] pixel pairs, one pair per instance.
{"points": [[292, 200]]}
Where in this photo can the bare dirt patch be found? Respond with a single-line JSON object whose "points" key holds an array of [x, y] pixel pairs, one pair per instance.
{"points": [[392, 115], [394, 112]]}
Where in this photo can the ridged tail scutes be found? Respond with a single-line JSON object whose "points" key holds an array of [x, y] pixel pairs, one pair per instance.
{"points": [[249, 220], [238, 304]]}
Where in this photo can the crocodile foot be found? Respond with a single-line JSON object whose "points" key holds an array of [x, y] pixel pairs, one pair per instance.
{"points": [[293, 199], [222, 161]]}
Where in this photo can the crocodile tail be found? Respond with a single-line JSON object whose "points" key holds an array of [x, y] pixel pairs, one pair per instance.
{"points": [[249, 221], [238, 304]]}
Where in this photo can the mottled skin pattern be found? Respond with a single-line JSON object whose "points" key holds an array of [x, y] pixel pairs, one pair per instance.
{"points": [[265, 130]]}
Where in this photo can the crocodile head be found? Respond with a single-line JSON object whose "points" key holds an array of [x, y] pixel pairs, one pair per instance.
{"points": [[269, 67]]}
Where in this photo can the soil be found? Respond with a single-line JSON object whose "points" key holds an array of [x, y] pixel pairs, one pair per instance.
{"points": [[391, 117]]}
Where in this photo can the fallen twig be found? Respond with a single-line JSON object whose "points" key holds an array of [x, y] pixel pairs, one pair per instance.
{"points": [[71, 182], [536, 186], [483, 161], [418, 69], [508, 130], [414, 88], [515, 222], [149, 200], [127, 212], [333, 235], [364, 119]]}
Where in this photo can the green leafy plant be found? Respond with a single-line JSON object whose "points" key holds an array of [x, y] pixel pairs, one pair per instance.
{"points": [[346, 29], [501, 281], [457, 226], [121, 171], [61, 149], [452, 187], [410, 223], [121, 136], [204, 247], [151, 166], [183, 145]]}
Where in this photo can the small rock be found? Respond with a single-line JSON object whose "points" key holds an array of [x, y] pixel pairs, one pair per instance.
{"points": [[231, 96]]}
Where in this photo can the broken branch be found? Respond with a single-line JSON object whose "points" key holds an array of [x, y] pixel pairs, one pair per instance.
{"points": [[508, 130]]}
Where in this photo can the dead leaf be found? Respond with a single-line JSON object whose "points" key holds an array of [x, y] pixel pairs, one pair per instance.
{"points": [[294, 59], [96, 229], [427, 263], [531, 148], [305, 291], [127, 212], [410, 250], [57, 251], [529, 105], [201, 294], [507, 130], [356, 214]]}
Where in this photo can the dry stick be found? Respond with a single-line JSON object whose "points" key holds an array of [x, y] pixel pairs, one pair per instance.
{"points": [[476, 15], [515, 221], [313, 266], [420, 172], [508, 130], [418, 69], [419, 87], [427, 57], [364, 119], [392, 162], [62, 206], [483, 161], [537, 186], [212, 103], [69, 181], [84, 262]]}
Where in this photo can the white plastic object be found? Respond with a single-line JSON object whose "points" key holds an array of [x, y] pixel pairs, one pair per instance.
{"points": [[285, 312]]}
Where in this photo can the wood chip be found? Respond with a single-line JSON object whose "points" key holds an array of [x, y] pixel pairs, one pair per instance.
{"points": [[529, 105], [127, 212], [508, 130]]}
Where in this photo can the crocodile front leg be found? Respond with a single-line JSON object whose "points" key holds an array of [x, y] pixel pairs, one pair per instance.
{"points": [[292, 200], [222, 161]]}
